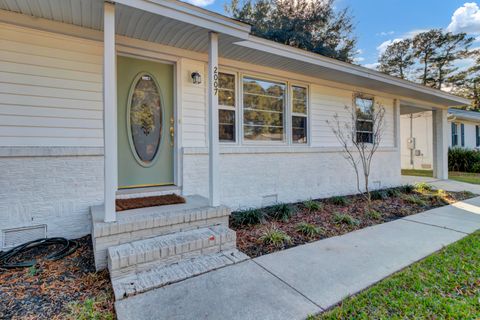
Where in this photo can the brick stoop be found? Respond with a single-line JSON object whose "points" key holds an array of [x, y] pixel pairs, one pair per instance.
{"points": [[149, 248]]}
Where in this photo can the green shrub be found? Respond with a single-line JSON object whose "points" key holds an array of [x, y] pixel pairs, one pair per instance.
{"points": [[468, 194], [414, 199], [275, 236], [394, 192], [248, 217], [438, 198], [343, 218], [476, 167], [281, 211], [339, 200], [465, 160], [423, 187], [379, 195], [308, 229], [373, 214], [406, 188], [312, 205]]}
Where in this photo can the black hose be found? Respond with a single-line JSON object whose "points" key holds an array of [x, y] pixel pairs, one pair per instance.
{"points": [[67, 248]]}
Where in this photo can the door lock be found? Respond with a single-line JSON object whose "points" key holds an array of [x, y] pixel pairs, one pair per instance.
{"points": [[172, 131]]}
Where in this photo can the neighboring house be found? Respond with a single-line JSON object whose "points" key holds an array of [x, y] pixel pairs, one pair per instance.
{"points": [[87, 116], [417, 136]]}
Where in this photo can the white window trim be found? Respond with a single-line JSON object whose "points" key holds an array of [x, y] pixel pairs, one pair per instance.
{"points": [[362, 95], [285, 140], [291, 114], [235, 108], [240, 140]]}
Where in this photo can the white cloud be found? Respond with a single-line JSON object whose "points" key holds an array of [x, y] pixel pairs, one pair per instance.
{"points": [[383, 46], [386, 33], [201, 3], [358, 59], [466, 19], [371, 65]]}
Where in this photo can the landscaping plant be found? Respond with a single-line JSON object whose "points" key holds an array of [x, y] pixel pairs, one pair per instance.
{"points": [[339, 200], [414, 199], [248, 217], [312, 205], [373, 214], [308, 229], [281, 211], [343, 218], [357, 150], [274, 236]]}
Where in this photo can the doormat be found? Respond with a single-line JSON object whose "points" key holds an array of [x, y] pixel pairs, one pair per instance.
{"points": [[136, 203]]}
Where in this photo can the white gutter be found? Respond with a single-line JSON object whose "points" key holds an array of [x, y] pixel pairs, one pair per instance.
{"points": [[193, 15]]}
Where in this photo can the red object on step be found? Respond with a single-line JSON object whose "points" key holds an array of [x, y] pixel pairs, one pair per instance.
{"points": [[212, 237]]}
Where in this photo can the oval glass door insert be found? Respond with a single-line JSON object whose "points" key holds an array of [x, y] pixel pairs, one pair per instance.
{"points": [[144, 119]]}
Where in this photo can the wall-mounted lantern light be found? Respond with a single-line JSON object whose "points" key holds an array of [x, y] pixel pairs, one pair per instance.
{"points": [[196, 77]]}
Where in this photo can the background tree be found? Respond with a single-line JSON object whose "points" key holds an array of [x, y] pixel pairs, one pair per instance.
{"points": [[311, 25], [449, 48], [397, 59], [467, 82], [424, 46]]}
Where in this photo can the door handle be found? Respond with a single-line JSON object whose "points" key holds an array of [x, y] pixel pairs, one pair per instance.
{"points": [[172, 131]]}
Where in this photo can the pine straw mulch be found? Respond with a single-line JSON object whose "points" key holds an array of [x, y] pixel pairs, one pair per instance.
{"points": [[391, 208], [56, 289]]}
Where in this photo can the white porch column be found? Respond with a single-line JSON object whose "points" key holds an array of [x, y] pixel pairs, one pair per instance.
{"points": [[110, 111], [396, 124], [213, 147], [440, 144]]}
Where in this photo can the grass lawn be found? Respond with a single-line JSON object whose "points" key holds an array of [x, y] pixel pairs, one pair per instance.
{"points": [[467, 177], [445, 285]]}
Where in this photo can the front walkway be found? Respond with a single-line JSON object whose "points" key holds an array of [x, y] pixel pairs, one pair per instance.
{"points": [[307, 279]]}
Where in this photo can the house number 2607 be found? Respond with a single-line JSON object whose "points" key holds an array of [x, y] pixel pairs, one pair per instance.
{"points": [[215, 80]]}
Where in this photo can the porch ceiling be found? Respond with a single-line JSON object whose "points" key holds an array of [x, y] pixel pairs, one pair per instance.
{"points": [[130, 22]]}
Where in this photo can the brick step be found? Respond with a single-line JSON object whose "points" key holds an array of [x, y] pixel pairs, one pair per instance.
{"points": [[144, 223], [166, 249], [162, 275]]}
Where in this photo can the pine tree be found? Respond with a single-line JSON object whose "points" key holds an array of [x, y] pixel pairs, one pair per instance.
{"points": [[425, 45], [397, 59]]}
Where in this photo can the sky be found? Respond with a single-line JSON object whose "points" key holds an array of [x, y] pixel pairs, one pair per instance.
{"points": [[378, 22]]}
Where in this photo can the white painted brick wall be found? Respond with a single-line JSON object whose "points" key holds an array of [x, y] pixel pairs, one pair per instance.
{"points": [[56, 191], [247, 178]]}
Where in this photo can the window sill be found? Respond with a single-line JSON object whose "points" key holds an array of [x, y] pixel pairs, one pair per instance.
{"points": [[273, 149]]}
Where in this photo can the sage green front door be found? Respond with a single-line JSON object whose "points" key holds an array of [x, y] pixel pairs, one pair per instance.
{"points": [[145, 123]]}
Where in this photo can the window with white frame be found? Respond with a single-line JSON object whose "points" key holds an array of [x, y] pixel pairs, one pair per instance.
{"points": [[364, 125], [477, 136], [299, 114], [226, 107], [454, 134], [263, 110]]}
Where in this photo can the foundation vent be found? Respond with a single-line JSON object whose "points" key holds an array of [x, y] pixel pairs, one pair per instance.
{"points": [[17, 236], [269, 200]]}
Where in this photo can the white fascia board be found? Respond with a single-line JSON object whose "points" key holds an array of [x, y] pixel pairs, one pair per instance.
{"points": [[260, 44], [192, 15]]}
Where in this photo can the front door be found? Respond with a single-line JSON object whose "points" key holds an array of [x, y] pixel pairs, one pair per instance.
{"points": [[145, 123]]}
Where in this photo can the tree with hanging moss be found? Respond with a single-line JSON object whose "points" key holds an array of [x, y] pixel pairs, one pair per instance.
{"points": [[312, 25]]}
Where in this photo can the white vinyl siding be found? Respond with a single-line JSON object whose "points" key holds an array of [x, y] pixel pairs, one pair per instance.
{"points": [[50, 89], [194, 105], [326, 101]]}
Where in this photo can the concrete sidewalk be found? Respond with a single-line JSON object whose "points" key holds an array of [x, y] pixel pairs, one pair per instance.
{"points": [[307, 279]]}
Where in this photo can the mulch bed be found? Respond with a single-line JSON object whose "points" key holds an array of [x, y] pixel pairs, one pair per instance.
{"points": [[135, 203], [392, 208], [45, 291]]}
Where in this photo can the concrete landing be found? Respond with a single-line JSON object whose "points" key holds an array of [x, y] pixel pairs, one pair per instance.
{"points": [[294, 283]]}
